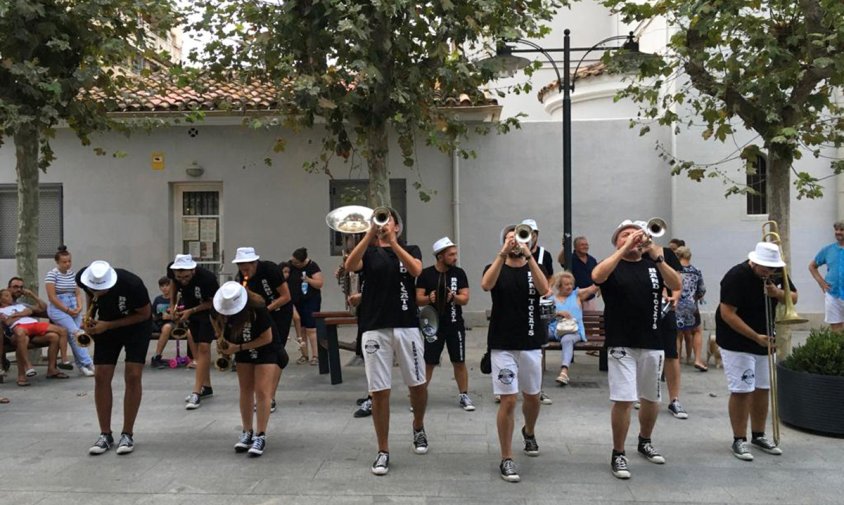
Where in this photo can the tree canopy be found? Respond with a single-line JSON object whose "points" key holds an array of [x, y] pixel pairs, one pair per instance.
{"points": [[51, 53], [771, 66], [359, 66]]}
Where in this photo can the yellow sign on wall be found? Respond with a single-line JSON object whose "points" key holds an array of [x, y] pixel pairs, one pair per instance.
{"points": [[158, 161]]}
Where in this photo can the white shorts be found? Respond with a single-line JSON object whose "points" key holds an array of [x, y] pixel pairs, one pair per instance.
{"points": [[833, 309], [379, 347], [745, 372], [514, 371], [634, 373]]}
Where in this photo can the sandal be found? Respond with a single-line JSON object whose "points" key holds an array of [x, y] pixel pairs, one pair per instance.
{"points": [[701, 368], [31, 372], [302, 360], [3, 399], [314, 361], [58, 375], [23, 382], [65, 365]]}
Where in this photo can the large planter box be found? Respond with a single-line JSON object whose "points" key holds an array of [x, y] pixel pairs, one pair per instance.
{"points": [[811, 402]]}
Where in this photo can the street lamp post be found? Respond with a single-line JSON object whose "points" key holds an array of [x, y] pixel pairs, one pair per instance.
{"points": [[565, 86]]}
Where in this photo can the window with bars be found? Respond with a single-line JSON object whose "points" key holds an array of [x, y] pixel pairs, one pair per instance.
{"points": [[353, 192], [50, 220], [757, 202], [201, 227]]}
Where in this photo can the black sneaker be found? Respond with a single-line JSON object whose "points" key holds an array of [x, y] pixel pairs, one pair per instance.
{"points": [[677, 410], [420, 441], [365, 409], [206, 391], [102, 444], [193, 401], [273, 406], [618, 463], [244, 442], [741, 450], [508, 470], [545, 399], [158, 363], [647, 450], [360, 401], [531, 447], [766, 445], [258, 444], [382, 463], [126, 444]]}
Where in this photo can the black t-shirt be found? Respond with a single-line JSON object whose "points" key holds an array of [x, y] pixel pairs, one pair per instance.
{"points": [[451, 314], [582, 271], [632, 302], [127, 295], [389, 290], [743, 289], [255, 321], [294, 281], [266, 281], [546, 262], [514, 323], [201, 288]]}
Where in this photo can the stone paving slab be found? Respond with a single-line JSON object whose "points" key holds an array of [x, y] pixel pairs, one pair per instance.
{"points": [[317, 453]]}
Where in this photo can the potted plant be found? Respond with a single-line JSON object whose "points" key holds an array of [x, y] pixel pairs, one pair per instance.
{"points": [[810, 384]]}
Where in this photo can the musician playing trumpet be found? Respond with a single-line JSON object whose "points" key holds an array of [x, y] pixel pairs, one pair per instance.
{"points": [[122, 321], [265, 283], [196, 286], [742, 332], [245, 328]]}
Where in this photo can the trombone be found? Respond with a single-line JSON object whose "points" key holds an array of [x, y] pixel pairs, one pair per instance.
{"points": [[83, 338], [785, 314]]}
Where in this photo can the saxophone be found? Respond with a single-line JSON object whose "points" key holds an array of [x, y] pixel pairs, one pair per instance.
{"points": [[83, 338]]}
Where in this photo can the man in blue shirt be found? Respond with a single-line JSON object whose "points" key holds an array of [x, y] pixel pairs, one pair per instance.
{"points": [[582, 264], [832, 285]]}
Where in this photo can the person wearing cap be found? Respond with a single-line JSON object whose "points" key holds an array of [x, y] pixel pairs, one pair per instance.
{"points": [[540, 254], [305, 284], [195, 287], [122, 321], [266, 280], [516, 334], [245, 324], [632, 281], [741, 330], [445, 287], [832, 285], [390, 327], [24, 329]]}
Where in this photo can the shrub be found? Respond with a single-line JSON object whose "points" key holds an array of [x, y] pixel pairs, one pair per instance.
{"points": [[823, 354]]}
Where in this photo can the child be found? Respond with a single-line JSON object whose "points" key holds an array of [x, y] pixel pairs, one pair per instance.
{"points": [[162, 322]]}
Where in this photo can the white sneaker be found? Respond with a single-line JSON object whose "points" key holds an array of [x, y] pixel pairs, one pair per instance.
{"points": [[86, 371]]}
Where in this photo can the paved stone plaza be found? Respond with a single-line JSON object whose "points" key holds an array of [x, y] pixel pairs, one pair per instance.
{"points": [[317, 453]]}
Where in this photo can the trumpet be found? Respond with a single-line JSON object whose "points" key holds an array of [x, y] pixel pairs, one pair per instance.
{"points": [[358, 219], [523, 233], [224, 360], [83, 338], [785, 314], [180, 328]]}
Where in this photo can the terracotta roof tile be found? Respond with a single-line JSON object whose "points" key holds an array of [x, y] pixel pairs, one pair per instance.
{"points": [[160, 95], [592, 70]]}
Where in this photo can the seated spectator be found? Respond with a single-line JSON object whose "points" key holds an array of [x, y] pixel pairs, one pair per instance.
{"points": [[26, 330], [39, 309], [162, 322], [65, 308], [568, 302]]}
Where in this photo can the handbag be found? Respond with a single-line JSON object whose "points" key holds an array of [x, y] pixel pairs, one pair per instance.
{"points": [[565, 326], [486, 364]]}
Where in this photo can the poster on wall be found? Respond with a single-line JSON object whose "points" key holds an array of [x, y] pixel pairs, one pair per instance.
{"points": [[208, 230], [194, 249], [190, 228], [206, 250]]}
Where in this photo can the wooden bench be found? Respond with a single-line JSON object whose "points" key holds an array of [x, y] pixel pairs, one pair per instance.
{"points": [[328, 348], [593, 321]]}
